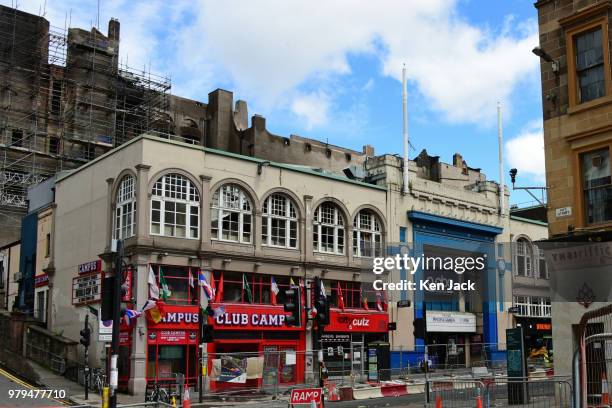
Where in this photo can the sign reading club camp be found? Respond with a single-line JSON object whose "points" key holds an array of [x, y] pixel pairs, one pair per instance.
{"points": [[260, 317]]}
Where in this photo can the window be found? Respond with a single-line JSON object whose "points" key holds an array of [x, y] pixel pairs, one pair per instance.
{"points": [[48, 245], [125, 208], [590, 65], [542, 267], [175, 207], [523, 257], [279, 222], [532, 306], [328, 229], [367, 240], [596, 186], [231, 215], [54, 145], [179, 283], [56, 96], [2, 274], [233, 290], [17, 137]]}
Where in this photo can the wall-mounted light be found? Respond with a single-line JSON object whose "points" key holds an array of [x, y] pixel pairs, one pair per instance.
{"points": [[261, 165], [544, 55]]}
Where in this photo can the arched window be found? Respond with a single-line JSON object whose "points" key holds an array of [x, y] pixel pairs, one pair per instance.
{"points": [[328, 229], [367, 238], [279, 222], [125, 209], [175, 207], [524, 258], [231, 215]]}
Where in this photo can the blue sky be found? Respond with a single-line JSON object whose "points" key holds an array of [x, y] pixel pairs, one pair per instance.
{"points": [[331, 70]]}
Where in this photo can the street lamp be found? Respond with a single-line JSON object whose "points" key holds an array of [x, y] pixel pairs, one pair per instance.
{"points": [[513, 173], [544, 55]]}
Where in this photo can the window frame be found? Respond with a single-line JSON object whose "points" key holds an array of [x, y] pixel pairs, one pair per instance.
{"points": [[580, 218], [318, 225], [163, 200], [216, 205], [120, 208], [527, 255], [572, 80], [376, 251], [267, 217]]}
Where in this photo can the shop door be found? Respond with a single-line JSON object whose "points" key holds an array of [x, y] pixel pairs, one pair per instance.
{"points": [[271, 366], [288, 365], [357, 358]]}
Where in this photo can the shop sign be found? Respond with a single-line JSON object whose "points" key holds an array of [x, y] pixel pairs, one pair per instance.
{"points": [[178, 317], [377, 322], [87, 289], [124, 338], [91, 266], [543, 326], [41, 280], [306, 396], [335, 338], [173, 337], [127, 296], [451, 322], [260, 317]]}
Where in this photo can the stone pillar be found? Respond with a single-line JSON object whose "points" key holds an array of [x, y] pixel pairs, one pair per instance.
{"points": [[110, 202], [348, 242], [307, 246], [257, 231], [205, 215], [142, 201], [138, 357]]}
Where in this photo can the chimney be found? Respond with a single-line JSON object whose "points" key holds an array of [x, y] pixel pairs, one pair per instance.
{"points": [[458, 160], [368, 150], [113, 29]]}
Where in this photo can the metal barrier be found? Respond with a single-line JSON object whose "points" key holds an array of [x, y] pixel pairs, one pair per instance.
{"points": [[594, 358], [500, 392]]}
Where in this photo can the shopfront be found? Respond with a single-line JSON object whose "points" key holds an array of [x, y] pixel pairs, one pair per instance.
{"points": [[345, 340], [254, 348], [172, 345]]}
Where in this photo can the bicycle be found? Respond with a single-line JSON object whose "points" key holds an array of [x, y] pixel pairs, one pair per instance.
{"points": [[158, 394], [97, 380]]}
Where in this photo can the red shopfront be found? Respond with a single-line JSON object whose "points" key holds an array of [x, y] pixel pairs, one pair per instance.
{"points": [[172, 345], [247, 331], [345, 340]]}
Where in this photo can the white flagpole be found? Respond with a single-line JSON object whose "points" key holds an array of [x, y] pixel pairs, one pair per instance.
{"points": [[405, 129]]}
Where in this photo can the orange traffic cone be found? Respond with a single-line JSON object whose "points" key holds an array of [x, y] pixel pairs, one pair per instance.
{"points": [[478, 399], [438, 401], [186, 399], [605, 393]]}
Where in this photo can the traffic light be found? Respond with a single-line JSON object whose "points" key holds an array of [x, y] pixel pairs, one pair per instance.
{"points": [[294, 305], [321, 304], [108, 291], [419, 328], [85, 336], [206, 335]]}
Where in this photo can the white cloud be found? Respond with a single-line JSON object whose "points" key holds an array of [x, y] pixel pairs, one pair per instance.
{"points": [[525, 152], [313, 108], [281, 55]]}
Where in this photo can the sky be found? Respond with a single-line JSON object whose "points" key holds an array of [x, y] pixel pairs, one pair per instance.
{"points": [[331, 70]]}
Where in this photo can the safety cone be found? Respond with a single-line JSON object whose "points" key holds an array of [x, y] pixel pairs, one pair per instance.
{"points": [[605, 393], [173, 401], [186, 399], [478, 399], [438, 401]]}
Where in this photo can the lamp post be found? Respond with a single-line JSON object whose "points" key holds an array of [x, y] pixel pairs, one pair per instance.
{"points": [[114, 373]]}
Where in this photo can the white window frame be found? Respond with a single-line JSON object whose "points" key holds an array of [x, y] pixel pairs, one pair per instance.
{"points": [[338, 229], [220, 207], [532, 306], [524, 249], [360, 230], [286, 214], [176, 189], [124, 217]]}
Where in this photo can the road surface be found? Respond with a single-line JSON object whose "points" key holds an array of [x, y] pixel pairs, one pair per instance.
{"points": [[29, 395]]}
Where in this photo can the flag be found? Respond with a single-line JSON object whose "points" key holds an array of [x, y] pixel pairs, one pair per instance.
{"points": [[340, 298], [165, 290], [130, 315], [274, 289], [213, 285], [291, 283], [365, 303], [149, 304], [379, 304], [153, 288], [191, 279], [219, 290], [322, 289], [218, 311], [206, 288], [247, 288], [154, 309]]}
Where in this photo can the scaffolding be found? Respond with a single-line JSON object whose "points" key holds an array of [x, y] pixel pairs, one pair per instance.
{"points": [[66, 99]]}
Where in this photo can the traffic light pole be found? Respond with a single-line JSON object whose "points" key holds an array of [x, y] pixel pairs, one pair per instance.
{"points": [[86, 359], [114, 374]]}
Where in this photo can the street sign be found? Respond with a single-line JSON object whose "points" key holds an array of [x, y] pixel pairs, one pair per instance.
{"points": [[306, 396], [403, 303], [517, 366]]}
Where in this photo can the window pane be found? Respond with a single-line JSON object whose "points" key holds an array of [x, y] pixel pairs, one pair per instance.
{"points": [[597, 186], [590, 65]]}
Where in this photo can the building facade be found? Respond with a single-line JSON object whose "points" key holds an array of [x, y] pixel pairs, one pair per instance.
{"points": [[576, 95]]}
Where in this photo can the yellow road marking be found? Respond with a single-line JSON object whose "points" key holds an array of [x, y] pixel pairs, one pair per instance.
{"points": [[25, 384]]}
